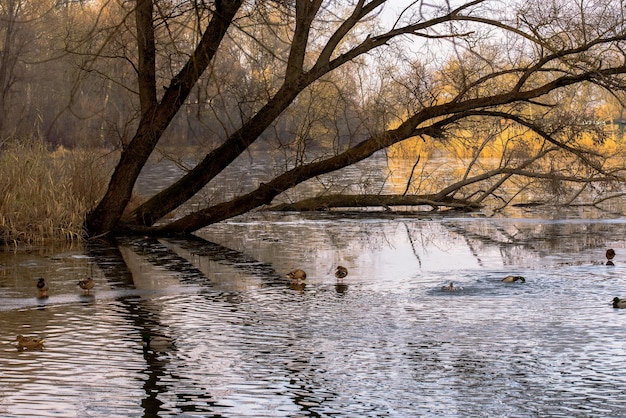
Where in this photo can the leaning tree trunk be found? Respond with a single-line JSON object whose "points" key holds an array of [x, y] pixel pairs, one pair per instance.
{"points": [[155, 116]]}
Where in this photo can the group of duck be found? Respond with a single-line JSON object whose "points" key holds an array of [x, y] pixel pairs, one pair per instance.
{"points": [[42, 287], [36, 343], [610, 255], [616, 302], [299, 275], [508, 279]]}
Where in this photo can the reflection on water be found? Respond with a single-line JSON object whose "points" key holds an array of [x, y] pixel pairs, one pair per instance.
{"points": [[231, 336]]}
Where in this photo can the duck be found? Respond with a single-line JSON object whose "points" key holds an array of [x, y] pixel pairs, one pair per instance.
{"points": [[619, 303], [29, 343], [341, 272], [42, 288], [513, 279], [87, 284], [297, 275], [610, 254], [450, 288], [156, 343]]}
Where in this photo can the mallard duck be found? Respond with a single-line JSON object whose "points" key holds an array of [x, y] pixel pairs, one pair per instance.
{"points": [[341, 272], [619, 303], [157, 343], [297, 275], [610, 254], [450, 288], [29, 343], [87, 284], [42, 288], [513, 279]]}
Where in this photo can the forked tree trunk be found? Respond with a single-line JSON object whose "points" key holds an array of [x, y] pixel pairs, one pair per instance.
{"points": [[155, 116]]}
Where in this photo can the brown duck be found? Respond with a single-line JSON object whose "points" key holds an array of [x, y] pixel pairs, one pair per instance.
{"points": [[29, 343], [42, 288], [450, 288], [87, 284], [341, 272]]}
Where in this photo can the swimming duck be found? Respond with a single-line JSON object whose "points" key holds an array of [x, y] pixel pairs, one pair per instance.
{"points": [[513, 279], [42, 288], [87, 284], [619, 303], [157, 343], [341, 272], [29, 343], [297, 275], [610, 254], [449, 288]]}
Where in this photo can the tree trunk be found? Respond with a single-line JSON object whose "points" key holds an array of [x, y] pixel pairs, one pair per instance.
{"points": [[155, 117]]}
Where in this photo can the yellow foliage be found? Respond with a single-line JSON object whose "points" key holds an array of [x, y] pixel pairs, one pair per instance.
{"points": [[442, 161]]}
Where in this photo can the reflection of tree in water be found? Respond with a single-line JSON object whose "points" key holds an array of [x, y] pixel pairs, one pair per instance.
{"points": [[145, 319], [540, 238], [146, 315], [517, 240]]}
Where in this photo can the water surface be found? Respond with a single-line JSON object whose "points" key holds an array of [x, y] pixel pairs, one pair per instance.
{"points": [[232, 337]]}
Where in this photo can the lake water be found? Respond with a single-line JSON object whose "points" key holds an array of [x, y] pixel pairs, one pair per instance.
{"points": [[233, 338]]}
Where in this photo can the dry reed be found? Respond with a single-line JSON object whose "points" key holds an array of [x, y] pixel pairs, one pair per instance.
{"points": [[44, 196]]}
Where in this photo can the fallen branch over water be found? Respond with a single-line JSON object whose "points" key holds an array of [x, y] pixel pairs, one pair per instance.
{"points": [[328, 202]]}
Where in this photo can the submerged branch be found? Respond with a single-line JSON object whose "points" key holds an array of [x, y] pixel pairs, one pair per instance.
{"points": [[376, 200]]}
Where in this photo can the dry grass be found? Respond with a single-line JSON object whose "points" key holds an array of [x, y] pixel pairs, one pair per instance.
{"points": [[45, 196]]}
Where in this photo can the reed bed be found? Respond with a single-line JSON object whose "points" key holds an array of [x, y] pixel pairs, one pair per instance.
{"points": [[44, 196]]}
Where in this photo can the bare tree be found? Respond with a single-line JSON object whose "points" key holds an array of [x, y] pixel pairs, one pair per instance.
{"points": [[20, 25], [507, 59]]}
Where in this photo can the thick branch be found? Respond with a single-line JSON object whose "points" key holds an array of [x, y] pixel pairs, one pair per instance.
{"points": [[305, 13], [146, 53]]}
